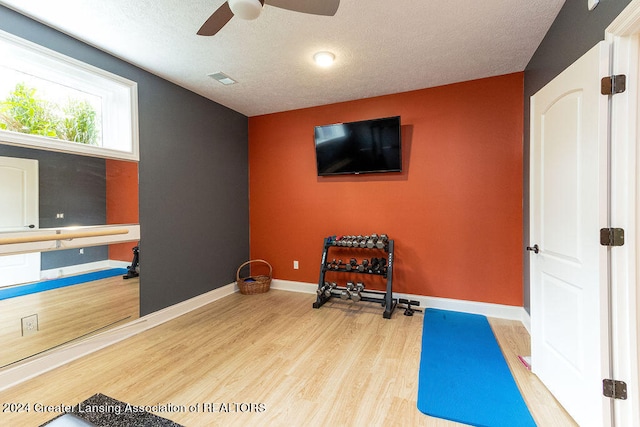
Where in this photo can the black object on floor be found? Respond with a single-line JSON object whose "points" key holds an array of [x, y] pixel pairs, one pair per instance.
{"points": [[409, 310], [134, 269]]}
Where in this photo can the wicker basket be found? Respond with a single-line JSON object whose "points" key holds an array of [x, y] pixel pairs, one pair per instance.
{"points": [[254, 284]]}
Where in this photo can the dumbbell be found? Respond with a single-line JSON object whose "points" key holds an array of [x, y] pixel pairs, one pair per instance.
{"points": [[353, 263], [336, 265], [362, 242], [362, 267], [371, 242], [324, 287], [331, 264], [382, 241], [382, 265], [331, 286], [355, 292], [375, 265], [346, 293]]}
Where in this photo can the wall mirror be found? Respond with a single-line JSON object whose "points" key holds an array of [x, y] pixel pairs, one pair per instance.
{"points": [[68, 197], [73, 194]]}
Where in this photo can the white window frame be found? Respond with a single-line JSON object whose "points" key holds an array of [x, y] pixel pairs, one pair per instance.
{"points": [[119, 95]]}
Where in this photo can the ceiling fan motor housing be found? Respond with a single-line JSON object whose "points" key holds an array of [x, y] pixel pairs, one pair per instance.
{"points": [[246, 9], [251, 9]]}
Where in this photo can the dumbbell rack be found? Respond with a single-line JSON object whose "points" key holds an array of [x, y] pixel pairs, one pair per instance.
{"points": [[384, 298]]}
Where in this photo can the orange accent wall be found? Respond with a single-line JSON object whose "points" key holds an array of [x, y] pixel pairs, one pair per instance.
{"points": [[455, 212], [122, 202]]}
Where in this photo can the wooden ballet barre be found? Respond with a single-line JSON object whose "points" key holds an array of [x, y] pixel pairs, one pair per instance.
{"points": [[65, 236]]}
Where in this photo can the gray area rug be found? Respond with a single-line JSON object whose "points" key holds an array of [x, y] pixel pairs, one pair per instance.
{"points": [[103, 411]]}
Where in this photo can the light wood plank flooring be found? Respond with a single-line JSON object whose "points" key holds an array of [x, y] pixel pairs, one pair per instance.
{"points": [[340, 365]]}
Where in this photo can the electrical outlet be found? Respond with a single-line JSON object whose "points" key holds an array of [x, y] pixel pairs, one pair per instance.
{"points": [[296, 265], [81, 251], [29, 325]]}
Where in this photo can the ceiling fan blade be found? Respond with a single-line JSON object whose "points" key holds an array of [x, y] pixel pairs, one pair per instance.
{"points": [[216, 21], [314, 7]]}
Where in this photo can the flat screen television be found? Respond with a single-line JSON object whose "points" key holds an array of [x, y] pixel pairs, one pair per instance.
{"points": [[366, 146]]}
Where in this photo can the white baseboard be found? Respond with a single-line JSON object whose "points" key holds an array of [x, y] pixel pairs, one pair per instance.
{"points": [[37, 365], [112, 263], [486, 309], [55, 273], [288, 285]]}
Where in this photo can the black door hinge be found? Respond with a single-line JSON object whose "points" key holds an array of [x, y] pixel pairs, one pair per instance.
{"points": [[612, 236], [613, 84], [614, 389]]}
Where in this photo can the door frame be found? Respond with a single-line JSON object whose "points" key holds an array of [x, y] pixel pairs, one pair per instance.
{"points": [[624, 35]]}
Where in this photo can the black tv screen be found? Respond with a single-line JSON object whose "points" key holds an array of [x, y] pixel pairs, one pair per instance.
{"points": [[366, 146]]}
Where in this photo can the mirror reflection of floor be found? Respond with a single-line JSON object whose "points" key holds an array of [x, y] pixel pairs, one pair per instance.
{"points": [[34, 323]]}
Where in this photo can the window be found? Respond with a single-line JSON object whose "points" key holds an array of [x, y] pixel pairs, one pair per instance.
{"points": [[53, 102]]}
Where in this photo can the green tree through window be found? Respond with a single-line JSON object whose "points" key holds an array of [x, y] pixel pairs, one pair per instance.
{"points": [[79, 124], [22, 111]]}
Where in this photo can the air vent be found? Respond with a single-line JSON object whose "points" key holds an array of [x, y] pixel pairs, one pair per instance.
{"points": [[222, 78]]}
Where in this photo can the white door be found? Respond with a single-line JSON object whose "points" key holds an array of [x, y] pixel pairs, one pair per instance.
{"points": [[18, 211], [569, 274]]}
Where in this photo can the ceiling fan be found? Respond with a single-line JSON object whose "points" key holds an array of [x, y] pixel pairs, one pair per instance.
{"points": [[250, 9]]}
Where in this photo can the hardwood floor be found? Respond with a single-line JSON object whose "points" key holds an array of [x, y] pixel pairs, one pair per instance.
{"points": [[275, 361]]}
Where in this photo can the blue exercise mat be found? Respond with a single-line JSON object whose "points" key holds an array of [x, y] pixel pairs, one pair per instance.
{"points": [[463, 375], [47, 285]]}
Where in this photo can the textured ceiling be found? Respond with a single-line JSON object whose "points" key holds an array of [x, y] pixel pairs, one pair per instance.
{"points": [[381, 46]]}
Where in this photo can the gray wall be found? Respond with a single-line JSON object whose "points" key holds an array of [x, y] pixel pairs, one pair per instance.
{"points": [[193, 174], [574, 31]]}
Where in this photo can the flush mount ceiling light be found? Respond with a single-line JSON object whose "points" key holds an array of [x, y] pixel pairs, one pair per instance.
{"points": [[245, 9], [324, 59]]}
